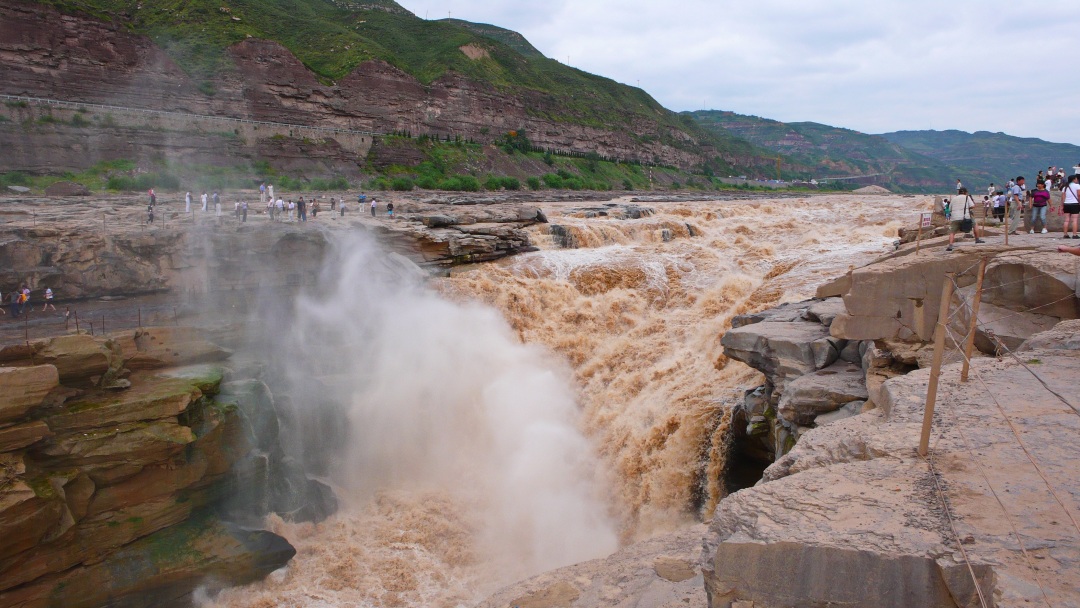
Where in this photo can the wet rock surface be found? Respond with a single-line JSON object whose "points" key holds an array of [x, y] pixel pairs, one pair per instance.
{"points": [[112, 480], [847, 491], [663, 572]]}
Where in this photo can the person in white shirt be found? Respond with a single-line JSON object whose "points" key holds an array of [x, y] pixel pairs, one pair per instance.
{"points": [[963, 205], [205, 199], [187, 203], [1072, 208], [48, 300], [959, 186]]}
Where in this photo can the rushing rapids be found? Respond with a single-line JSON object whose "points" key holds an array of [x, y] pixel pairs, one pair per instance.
{"points": [[523, 415]]}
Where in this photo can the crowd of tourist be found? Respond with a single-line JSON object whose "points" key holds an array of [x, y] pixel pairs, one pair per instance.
{"points": [[19, 300], [277, 208], [1055, 192]]}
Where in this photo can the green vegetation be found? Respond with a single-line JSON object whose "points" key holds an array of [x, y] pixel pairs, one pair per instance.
{"points": [[510, 38], [982, 157], [812, 150], [333, 38]]}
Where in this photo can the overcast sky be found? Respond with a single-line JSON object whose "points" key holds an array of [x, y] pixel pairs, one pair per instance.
{"points": [[883, 65]]}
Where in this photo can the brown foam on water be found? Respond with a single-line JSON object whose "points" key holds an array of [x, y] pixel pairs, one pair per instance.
{"points": [[639, 320]]}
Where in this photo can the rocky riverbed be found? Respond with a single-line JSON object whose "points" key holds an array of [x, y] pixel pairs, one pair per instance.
{"points": [[845, 512], [849, 514]]}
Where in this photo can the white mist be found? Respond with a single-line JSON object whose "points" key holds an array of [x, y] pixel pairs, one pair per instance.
{"points": [[443, 400]]}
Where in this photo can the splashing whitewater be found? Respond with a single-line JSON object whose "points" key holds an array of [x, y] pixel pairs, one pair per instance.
{"points": [[475, 412]]}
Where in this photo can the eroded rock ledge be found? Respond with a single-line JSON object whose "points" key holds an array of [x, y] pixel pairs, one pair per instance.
{"points": [[117, 456], [849, 514]]}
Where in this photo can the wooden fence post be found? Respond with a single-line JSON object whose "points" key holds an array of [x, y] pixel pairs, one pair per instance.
{"points": [[935, 367], [969, 344]]}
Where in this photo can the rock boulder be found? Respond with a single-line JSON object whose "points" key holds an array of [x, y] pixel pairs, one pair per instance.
{"points": [[783, 351], [22, 388], [823, 391]]}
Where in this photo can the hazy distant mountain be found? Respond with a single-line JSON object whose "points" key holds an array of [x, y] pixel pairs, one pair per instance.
{"points": [[822, 152], [991, 157]]}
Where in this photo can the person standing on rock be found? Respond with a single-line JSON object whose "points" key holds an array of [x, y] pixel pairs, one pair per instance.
{"points": [[262, 193], [301, 210], [243, 212], [333, 203], [217, 203], [280, 205], [1040, 200], [374, 204], [187, 203], [959, 186], [48, 300], [1016, 203], [341, 208], [153, 197], [270, 189], [390, 210], [150, 214], [999, 205], [1071, 207], [205, 200], [16, 298], [966, 221]]}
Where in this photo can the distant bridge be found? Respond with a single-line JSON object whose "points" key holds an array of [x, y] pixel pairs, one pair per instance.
{"points": [[840, 179]]}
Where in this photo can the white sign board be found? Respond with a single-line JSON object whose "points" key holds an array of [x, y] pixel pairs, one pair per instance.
{"points": [[926, 218]]}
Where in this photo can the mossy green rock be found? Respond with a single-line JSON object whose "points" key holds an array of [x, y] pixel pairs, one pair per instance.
{"points": [[150, 398]]}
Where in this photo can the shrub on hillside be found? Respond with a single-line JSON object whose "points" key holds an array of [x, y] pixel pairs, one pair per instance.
{"points": [[427, 182], [401, 184], [508, 183], [552, 180], [574, 183], [461, 183], [534, 183]]}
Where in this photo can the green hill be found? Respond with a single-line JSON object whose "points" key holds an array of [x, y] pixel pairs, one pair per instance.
{"points": [[510, 38], [818, 151], [333, 37], [990, 157]]}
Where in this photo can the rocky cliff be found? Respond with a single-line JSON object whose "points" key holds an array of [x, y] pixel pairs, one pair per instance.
{"points": [[71, 57], [87, 247], [848, 511], [116, 455]]}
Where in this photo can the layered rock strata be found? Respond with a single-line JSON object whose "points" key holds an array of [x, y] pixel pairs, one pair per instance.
{"points": [[91, 248], [849, 514], [115, 454], [102, 63], [852, 516]]}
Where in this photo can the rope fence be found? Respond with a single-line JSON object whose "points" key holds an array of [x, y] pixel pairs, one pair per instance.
{"points": [[948, 315]]}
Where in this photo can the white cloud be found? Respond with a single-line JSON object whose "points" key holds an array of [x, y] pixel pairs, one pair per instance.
{"points": [[888, 65]]}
